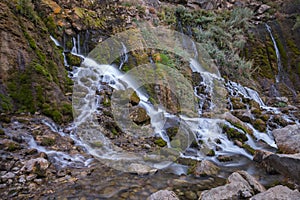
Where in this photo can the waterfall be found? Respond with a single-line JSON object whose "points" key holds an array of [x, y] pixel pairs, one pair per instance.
{"points": [[123, 56], [279, 65]]}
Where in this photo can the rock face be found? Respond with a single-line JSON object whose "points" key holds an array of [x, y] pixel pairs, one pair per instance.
{"points": [[32, 76], [240, 185], [278, 192], [163, 195], [288, 165], [288, 139]]}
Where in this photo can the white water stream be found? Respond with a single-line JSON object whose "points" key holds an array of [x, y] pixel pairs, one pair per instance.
{"points": [[91, 76]]}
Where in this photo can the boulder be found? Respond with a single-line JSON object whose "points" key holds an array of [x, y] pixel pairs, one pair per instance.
{"points": [[37, 166], [240, 185], [277, 192], [286, 164], [163, 195], [205, 168], [288, 139]]}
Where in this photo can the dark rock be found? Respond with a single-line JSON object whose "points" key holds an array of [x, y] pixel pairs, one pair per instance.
{"points": [[163, 195], [278, 192], [286, 164], [139, 116], [288, 139], [260, 125]]}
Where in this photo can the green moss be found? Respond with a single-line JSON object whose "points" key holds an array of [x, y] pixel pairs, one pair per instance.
{"points": [[282, 52], [249, 149], [5, 103], [172, 131], [160, 142], [21, 90], [52, 113], [47, 141], [211, 152], [2, 131], [41, 70], [106, 102], [67, 109], [234, 134], [12, 146]]}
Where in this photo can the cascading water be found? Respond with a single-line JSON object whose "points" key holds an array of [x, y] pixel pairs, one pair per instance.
{"points": [[123, 56], [206, 132], [279, 65]]}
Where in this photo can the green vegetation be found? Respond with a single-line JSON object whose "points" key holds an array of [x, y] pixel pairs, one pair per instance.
{"points": [[220, 33], [160, 142], [47, 141]]}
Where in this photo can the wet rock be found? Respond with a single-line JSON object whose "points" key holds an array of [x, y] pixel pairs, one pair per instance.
{"points": [[163, 195], [288, 139], [243, 115], [139, 116], [73, 60], [286, 164], [134, 99], [260, 125], [237, 123], [37, 166], [205, 168], [141, 169], [278, 192], [238, 187]]}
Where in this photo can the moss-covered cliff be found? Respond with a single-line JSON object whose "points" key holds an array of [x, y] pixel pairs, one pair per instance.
{"points": [[33, 77]]}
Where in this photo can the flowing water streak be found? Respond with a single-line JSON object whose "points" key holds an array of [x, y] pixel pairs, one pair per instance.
{"points": [[279, 65], [123, 56]]}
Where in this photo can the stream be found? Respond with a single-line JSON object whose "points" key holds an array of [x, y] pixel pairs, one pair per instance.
{"points": [[198, 134]]}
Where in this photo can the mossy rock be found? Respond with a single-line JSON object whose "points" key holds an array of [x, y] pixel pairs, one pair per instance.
{"points": [[234, 134], [73, 60], [48, 141], [160, 142], [172, 131], [2, 132], [249, 149], [260, 125], [211, 152], [134, 99]]}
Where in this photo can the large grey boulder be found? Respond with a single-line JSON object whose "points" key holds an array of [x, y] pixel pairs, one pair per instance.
{"points": [[278, 192], [288, 139], [240, 185]]}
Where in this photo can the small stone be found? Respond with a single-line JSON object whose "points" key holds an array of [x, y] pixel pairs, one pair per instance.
{"points": [[31, 177], [2, 186], [8, 175], [38, 181], [22, 179], [263, 8], [141, 169]]}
